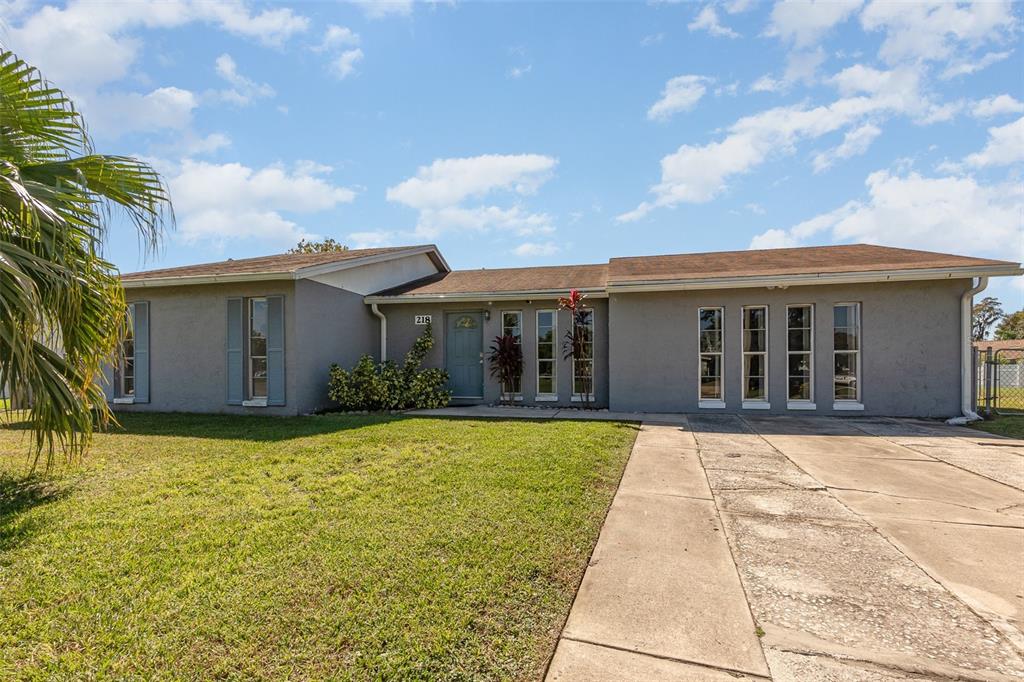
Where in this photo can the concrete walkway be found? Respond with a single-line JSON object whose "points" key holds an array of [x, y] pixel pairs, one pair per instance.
{"points": [[661, 598]]}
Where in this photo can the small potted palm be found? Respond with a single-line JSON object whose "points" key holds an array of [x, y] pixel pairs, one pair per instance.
{"points": [[506, 360]]}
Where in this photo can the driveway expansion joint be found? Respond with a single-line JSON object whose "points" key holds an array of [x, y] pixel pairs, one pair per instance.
{"points": [[674, 659]]}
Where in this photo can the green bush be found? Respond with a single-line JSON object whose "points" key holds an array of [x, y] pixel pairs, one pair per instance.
{"points": [[388, 386]]}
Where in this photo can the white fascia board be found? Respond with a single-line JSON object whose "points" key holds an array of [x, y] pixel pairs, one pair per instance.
{"points": [[816, 279], [312, 271], [473, 297], [315, 270]]}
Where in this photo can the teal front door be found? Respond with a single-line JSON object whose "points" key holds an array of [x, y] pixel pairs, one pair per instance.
{"points": [[464, 354]]}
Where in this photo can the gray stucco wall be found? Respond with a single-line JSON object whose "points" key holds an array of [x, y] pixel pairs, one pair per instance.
{"points": [[323, 324], [402, 331], [910, 347], [334, 326], [187, 353]]}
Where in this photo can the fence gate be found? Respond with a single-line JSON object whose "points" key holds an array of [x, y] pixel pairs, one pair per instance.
{"points": [[1000, 377]]}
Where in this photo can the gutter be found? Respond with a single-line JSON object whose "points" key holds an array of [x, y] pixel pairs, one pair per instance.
{"points": [[966, 350], [383, 331], [475, 296]]}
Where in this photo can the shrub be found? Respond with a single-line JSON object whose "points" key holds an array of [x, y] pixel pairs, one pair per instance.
{"points": [[388, 386]]}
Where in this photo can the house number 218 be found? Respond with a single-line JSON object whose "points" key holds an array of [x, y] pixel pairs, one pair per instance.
{"points": [[423, 319]]}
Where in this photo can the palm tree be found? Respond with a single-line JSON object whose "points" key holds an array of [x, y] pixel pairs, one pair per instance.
{"points": [[62, 308]]}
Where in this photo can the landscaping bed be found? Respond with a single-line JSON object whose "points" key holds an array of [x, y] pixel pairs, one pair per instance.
{"points": [[350, 547]]}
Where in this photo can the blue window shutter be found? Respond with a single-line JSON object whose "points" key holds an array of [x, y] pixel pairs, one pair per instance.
{"points": [[110, 379], [141, 331], [275, 350], [234, 350]]}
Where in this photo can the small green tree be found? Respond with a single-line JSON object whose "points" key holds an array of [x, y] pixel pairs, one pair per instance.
{"points": [[326, 246], [986, 313], [1012, 326]]}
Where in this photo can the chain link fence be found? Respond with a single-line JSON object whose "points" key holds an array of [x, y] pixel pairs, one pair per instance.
{"points": [[1000, 376]]}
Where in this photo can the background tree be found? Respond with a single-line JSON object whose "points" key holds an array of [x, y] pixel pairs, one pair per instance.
{"points": [[62, 307], [326, 246], [1012, 326], [986, 313]]}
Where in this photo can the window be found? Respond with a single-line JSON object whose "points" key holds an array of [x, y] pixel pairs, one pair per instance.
{"points": [[547, 330], [257, 349], [846, 351], [128, 356], [800, 352], [710, 354], [583, 365], [512, 325], [755, 353]]}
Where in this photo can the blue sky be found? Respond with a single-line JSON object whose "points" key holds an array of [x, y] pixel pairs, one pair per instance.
{"points": [[543, 133]]}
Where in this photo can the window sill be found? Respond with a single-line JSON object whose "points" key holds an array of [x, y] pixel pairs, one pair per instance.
{"points": [[711, 404], [547, 398], [756, 405], [577, 398], [124, 401], [848, 405], [800, 405], [255, 403]]}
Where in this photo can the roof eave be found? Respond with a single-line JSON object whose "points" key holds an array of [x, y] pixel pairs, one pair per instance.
{"points": [[301, 273], [476, 296], [624, 286]]}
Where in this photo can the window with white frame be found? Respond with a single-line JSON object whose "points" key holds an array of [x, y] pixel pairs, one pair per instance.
{"points": [[755, 353], [583, 354], [547, 331], [257, 349], [800, 352], [846, 351], [711, 343], [512, 325], [128, 356]]}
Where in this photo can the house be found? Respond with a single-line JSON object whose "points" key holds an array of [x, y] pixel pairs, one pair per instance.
{"points": [[821, 330]]}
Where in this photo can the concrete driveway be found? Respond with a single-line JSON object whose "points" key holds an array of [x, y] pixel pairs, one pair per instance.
{"points": [[806, 549]]}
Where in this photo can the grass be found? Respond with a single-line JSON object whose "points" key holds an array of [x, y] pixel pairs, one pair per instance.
{"points": [[336, 547], [1011, 426]]}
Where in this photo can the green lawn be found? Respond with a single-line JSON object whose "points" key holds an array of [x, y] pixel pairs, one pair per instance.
{"points": [[199, 547], [1003, 425]]}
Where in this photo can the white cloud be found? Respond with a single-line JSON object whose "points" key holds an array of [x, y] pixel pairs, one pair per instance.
{"points": [[196, 146], [966, 67], [337, 36], [756, 209], [122, 113], [935, 30], [519, 71], [438, 192], [527, 249], [653, 39], [447, 182], [85, 45], [804, 22], [344, 65], [1005, 146], [244, 90], [996, 106], [766, 84], [931, 213], [218, 203], [854, 143], [379, 9], [707, 20], [680, 94], [802, 65]]}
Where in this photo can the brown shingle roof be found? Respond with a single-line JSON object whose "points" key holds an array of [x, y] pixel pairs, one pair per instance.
{"points": [[279, 263], [796, 261], [1000, 344], [504, 280]]}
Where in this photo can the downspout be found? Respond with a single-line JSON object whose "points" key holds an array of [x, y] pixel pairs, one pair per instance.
{"points": [[383, 331], [966, 355]]}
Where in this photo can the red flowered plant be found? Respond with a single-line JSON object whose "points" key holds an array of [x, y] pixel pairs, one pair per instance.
{"points": [[578, 345]]}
